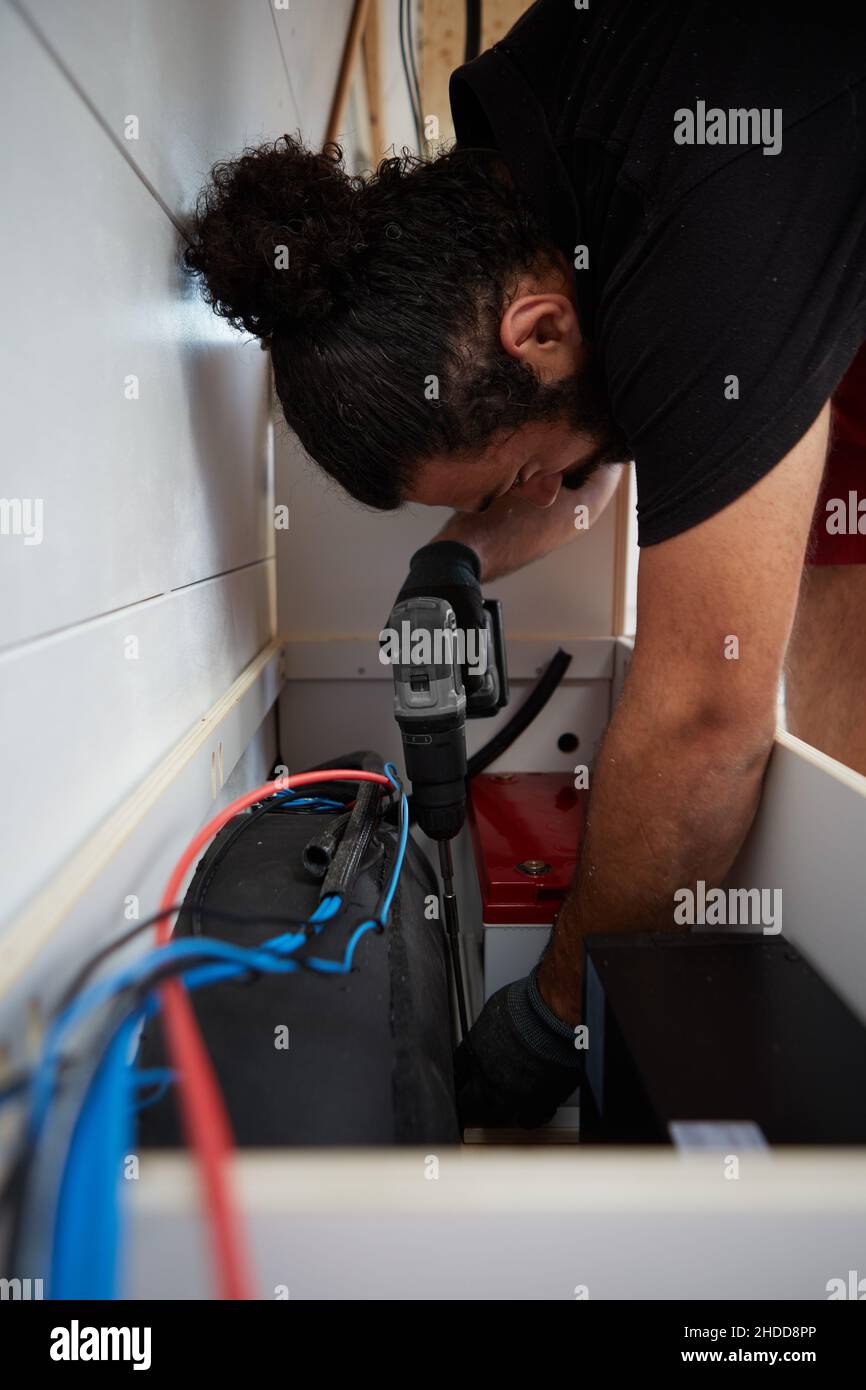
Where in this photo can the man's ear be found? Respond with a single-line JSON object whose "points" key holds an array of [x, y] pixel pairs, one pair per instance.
{"points": [[542, 331]]}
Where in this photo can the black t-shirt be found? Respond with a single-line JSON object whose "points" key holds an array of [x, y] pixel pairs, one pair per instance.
{"points": [[725, 293]]}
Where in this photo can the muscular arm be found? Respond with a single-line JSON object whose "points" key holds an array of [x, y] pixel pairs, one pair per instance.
{"points": [[512, 533], [678, 777]]}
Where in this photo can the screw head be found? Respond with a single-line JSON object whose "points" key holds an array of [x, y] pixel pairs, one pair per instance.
{"points": [[533, 867]]}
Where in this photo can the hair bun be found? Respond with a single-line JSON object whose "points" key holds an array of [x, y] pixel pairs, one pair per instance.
{"points": [[275, 234]]}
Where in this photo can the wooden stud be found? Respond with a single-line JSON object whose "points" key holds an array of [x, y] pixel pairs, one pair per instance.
{"points": [[371, 56], [442, 44], [355, 33]]}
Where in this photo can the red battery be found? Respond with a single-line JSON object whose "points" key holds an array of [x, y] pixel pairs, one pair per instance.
{"points": [[526, 831]]}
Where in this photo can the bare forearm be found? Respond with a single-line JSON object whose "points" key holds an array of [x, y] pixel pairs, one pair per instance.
{"points": [[512, 533], [672, 800]]}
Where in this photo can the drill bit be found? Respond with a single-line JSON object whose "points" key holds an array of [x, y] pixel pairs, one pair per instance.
{"points": [[452, 926]]}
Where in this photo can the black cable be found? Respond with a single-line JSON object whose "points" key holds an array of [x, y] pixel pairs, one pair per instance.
{"points": [[410, 44], [33, 1221], [416, 114], [12, 1194], [168, 970], [217, 914], [522, 718], [473, 30]]}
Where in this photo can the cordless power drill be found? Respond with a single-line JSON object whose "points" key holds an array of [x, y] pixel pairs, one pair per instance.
{"points": [[431, 706]]}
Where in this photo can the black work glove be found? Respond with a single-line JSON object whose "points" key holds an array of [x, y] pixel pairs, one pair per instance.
{"points": [[518, 1062], [450, 570]]}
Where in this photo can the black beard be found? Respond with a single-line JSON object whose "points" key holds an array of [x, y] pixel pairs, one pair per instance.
{"points": [[584, 404]]}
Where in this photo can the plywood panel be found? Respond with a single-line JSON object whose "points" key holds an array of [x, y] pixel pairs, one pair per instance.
{"points": [[443, 47], [93, 709], [139, 496], [497, 17]]}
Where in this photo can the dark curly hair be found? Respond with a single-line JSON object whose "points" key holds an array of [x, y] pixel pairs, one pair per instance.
{"points": [[364, 289]]}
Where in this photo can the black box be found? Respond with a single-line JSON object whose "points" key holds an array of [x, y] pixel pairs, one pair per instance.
{"points": [[721, 1027]]}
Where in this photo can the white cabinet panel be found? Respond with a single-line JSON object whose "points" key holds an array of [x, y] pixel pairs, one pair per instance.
{"points": [[568, 594], [320, 719], [203, 77], [341, 565], [808, 841], [91, 710], [515, 1224], [139, 496]]}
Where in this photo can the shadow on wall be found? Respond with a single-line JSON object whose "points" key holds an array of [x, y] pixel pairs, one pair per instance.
{"points": [[227, 390]]}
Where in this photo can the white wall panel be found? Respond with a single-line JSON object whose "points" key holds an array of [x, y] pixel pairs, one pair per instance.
{"points": [[118, 874], [139, 496], [83, 723], [136, 418], [311, 34], [204, 78]]}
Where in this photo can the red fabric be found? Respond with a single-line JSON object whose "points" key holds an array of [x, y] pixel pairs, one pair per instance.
{"points": [[845, 473]]}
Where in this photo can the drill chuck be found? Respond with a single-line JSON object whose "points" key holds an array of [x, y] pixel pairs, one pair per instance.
{"points": [[434, 751]]}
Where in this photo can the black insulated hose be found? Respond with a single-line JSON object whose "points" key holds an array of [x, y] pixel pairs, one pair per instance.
{"points": [[522, 718], [355, 839], [319, 851]]}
